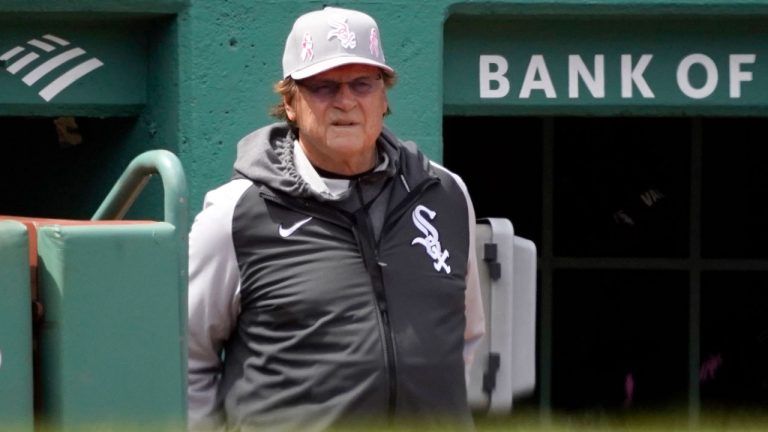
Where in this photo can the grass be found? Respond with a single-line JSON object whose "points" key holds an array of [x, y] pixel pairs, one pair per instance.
{"points": [[533, 421], [720, 421]]}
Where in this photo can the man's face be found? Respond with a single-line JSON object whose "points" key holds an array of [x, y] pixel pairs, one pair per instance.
{"points": [[340, 113]]}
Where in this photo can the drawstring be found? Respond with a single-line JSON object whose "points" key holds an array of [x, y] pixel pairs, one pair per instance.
{"points": [[405, 184]]}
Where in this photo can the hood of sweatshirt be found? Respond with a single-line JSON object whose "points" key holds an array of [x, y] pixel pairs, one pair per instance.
{"points": [[265, 156]]}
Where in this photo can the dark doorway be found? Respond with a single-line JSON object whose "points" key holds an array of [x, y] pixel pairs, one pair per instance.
{"points": [[651, 251], [60, 167]]}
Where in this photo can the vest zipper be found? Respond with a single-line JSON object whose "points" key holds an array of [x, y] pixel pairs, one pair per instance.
{"points": [[364, 233], [371, 260]]}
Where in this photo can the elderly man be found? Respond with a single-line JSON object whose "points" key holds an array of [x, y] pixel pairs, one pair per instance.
{"points": [[333, 279]]}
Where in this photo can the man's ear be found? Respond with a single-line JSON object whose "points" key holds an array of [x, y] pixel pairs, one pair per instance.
{"points": [[289, 111]]}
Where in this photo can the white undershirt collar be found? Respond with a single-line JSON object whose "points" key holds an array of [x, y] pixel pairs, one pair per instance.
{"points": [[334, 187]]}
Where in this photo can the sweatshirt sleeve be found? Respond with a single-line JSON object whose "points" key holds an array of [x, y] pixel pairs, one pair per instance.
{"points": [[475, 315], [474, 329], [213, 301]]}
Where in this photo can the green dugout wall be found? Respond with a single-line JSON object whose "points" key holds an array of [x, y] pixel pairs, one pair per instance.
{"points": [[194, 76]]}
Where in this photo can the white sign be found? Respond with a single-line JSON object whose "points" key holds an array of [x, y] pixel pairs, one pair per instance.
{"points": [[494, 76]]}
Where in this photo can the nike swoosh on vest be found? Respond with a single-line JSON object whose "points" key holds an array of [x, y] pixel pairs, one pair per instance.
{"points": [[285, 232]]}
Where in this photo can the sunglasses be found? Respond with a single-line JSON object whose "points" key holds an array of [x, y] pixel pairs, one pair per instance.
{"points": [[328, 89]]}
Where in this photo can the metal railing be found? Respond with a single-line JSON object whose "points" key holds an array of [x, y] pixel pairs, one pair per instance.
{"points": [[135, 177]]}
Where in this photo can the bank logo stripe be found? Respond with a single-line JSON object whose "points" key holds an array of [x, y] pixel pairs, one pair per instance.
{"points": [[69, 77], [54, 57], [19, 64], [51, 64], [42, 45], [11, 53], [21, 57], [56, 39]]}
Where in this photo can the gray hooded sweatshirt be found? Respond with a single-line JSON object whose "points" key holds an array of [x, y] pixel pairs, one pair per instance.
{"points": [[311, 307]]}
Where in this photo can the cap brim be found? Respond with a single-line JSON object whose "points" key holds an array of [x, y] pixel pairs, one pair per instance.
{"points": [[329, 64]]}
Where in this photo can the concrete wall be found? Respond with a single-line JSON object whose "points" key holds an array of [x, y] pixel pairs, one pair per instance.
{"points": [[212, 64], [230, 56]]}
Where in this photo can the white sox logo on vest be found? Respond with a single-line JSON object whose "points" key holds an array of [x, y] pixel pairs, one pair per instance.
{"points": [[431, 239]]}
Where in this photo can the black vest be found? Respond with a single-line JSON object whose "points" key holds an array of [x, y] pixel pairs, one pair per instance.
{"points": [[343, 319]]}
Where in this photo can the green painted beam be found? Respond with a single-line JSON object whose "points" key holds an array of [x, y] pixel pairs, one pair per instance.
{"points": [[155, 7], [610, 7]]}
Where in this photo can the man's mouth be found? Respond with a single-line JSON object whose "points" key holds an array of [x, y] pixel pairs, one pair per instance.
{"points": [[343, 123]]}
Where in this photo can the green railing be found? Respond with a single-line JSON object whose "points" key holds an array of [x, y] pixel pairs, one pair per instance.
{"points": [[135, 177]]}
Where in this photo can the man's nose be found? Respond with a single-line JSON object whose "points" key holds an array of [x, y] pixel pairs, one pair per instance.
{"points": [[345, 98]]}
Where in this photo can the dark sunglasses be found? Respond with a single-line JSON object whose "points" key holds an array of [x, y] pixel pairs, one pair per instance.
{"points": [[328, 89]]}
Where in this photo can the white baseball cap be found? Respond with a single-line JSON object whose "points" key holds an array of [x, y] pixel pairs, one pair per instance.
{"points": [[331, 37]]}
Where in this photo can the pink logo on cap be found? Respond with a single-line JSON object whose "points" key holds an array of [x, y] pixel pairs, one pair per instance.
{"points": [[374, 46], [306, 47], [342, 32]]}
